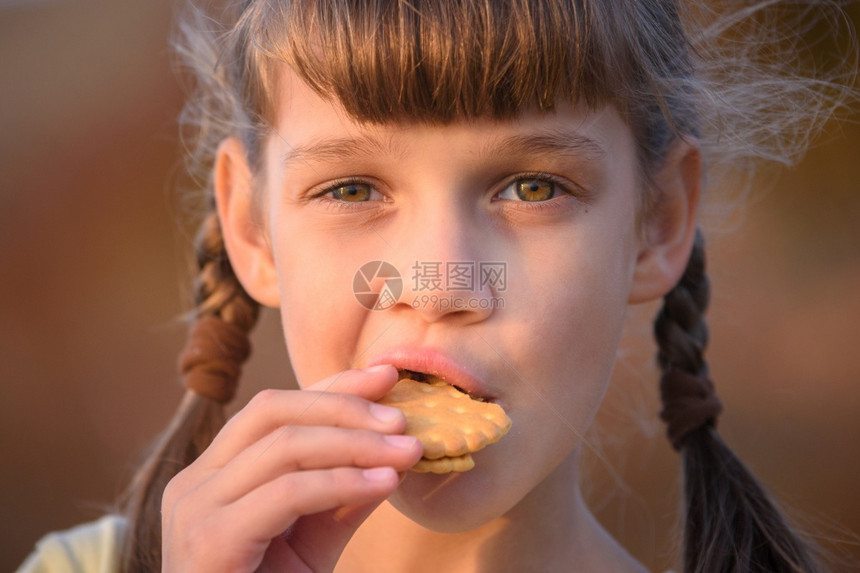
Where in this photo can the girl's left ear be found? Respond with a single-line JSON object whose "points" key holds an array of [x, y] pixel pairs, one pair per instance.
{"points": [[669, 228], [242, 227]]}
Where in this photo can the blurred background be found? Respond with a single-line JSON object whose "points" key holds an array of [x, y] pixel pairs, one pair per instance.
{"points": [[93, 281]]}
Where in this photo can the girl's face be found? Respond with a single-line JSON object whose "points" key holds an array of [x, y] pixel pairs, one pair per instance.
{"points": [[516, 243]]}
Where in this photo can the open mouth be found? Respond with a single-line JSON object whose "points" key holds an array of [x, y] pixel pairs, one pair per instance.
{"points": [[433, 379], [450, 423]]}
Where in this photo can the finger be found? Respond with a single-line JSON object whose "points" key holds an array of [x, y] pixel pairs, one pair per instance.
{"points": [[272, 409], [302, 448], [271, 509], [371, 383]]}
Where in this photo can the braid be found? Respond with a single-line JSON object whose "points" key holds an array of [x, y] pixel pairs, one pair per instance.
{"points": [[680, 327], [730, 522], [217, 293]]}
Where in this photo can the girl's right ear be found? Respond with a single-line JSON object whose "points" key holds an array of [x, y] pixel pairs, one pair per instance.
{"points": [[245, 236]]}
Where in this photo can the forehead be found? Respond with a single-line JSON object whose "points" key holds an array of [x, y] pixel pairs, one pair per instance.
{"points": [[311, 127]]}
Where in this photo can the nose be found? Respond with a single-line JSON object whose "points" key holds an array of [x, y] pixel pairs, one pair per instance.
{"points": [[460, 289], [448, 276]]}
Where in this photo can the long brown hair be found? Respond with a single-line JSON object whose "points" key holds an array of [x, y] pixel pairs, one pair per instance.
{"points": [[670, 71]]}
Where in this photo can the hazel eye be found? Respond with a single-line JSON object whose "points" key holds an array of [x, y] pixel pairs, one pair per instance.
{"points": [[531, 190], [354, 192]]}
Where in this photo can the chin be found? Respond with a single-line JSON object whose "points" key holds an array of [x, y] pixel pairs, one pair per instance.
{"points": [[452, 503]]}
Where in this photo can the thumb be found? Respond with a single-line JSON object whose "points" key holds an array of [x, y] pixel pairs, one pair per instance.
{"points": [[370, 383], [319, 539]]}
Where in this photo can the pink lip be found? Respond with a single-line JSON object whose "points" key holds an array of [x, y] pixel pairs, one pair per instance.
{"points": [[437, 363]]}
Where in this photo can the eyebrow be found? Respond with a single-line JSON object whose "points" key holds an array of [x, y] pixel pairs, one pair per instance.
{"points": [[540, 143], [339, 148], [545, 143]]}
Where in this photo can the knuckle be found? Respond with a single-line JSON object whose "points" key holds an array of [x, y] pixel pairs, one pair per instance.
{"points": [[285, 434], [288, 493], [362, 454], [343, 401], [340, 407], [306, 494], [345, 482], [367, 439], [172, 492], [345, 380], [263, 400], [176, 494], [371, 448]]}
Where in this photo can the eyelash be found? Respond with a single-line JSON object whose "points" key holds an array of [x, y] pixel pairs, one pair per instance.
{"points": [[562, 186], [332, 203]]}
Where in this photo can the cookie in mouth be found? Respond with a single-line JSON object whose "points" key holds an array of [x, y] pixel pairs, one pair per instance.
{"points": [[450, 423]]}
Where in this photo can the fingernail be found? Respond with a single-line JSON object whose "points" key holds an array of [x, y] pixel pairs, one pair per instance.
{"points": [[379, 474], [400, 441], [385, 414], [377, 368]]}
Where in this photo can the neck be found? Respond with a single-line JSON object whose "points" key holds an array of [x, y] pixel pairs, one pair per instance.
{"points": [[551, 529]]}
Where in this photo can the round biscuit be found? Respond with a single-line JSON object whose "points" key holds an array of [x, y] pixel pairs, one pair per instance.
{"points": [[447, 422], [445, 465]]}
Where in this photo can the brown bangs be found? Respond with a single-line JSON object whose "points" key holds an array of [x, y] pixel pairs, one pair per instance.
{"points": [[439, 61]]}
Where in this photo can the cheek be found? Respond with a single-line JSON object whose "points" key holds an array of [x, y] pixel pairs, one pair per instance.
{"points": [[575, 309], [319, 313]]}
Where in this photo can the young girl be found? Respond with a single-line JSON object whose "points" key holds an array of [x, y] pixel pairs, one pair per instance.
{"points": [[529, 169]]}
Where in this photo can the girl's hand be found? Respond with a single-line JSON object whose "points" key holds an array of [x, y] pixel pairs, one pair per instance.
{"points": [[288, 479]]}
